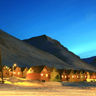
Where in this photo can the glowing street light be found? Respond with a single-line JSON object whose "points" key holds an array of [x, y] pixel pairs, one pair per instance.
{"points": [[1, 68], [14, 65]]}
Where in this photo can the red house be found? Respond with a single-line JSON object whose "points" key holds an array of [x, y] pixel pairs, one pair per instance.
{"points": [[34, 73], [25, 72], [10, 72], [93, 76], [64, 76], [45, 74], [17, 72]]}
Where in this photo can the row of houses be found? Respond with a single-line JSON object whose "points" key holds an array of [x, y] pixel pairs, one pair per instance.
{"points": [[44, 73]]}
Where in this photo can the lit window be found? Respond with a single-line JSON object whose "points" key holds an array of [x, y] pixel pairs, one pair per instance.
{"points": [[41, 74], [65, 76], [46, 75], [62, 76], [14, 72], [77, 76], [18, 73], [15, 65], [72, 76], [81, 76]]}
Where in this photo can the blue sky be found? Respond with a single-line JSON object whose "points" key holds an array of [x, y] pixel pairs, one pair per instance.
{"points": [[72, 22]]}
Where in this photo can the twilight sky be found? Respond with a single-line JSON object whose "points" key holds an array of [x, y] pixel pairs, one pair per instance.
{"points": [[72, 22]]}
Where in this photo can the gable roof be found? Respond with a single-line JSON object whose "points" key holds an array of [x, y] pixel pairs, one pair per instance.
{"points": [[37, 69]]}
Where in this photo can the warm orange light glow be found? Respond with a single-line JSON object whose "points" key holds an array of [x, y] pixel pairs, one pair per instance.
{"points": [[77, 76], [46, 75], [14, 72], [85, 76], [41, 74], [62, 76], [72, 76], [94, 77], [18, 73], [14, 65], [9, 69], [65, 76]]}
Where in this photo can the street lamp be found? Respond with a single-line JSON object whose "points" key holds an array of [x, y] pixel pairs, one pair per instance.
{"points": [[1, 69], [14, 65]]}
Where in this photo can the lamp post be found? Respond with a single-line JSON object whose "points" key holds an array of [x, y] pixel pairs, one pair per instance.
{"points": [[14, 65], [2, 81]]}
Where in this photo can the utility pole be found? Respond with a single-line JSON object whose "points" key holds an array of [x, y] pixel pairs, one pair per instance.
{"points": [[2, 81]]}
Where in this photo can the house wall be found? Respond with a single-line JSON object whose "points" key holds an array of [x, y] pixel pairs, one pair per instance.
{"points": [[17, 72], [33, 76], [45, 74], [64, 77]]}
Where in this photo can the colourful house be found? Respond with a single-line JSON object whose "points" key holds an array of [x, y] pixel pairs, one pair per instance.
{"points": [[83, 76], [45, 74], [64, 76], [93, 75], [10, 72], [5, 71], [34, 73], [25, 72], [55, 76], [17, 72]]}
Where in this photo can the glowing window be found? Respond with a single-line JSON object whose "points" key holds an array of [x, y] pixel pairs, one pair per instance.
{"points": [[81, 76], [72, 76], [46, 75], [77, 76], [18, 73], [62, 76], [41, 74], [14, 72], [15, 65], [65, 76], [85, 76]]}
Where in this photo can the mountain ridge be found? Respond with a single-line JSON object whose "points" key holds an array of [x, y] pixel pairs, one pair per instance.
{"points": [[15, 50], [24, 54], [90, 60], [55, 48]]}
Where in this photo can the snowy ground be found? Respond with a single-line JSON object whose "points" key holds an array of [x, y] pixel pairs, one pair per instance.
{"points": [[49, 89]]}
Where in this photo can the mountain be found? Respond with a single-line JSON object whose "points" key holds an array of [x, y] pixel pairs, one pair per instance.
{"points": [[54, 47], [91, 60], [16, 51]]}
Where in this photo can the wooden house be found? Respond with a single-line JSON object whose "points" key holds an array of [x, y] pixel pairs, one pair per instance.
{"points": [[25, 72], [5, 71], [72, 76], [0, 74], [55, 75], [77, 79], [93, 75], [88, 75], [10, 72], [83, 76], [34, 73], [45, 74], [64, 76], [17, 72]]}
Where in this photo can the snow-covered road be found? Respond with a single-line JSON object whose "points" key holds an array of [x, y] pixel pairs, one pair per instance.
{"points": [[11, 90]]}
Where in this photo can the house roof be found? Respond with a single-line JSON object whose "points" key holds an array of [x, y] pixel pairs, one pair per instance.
{"points": [[24, 69], [37, 69], [50, 69]]}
